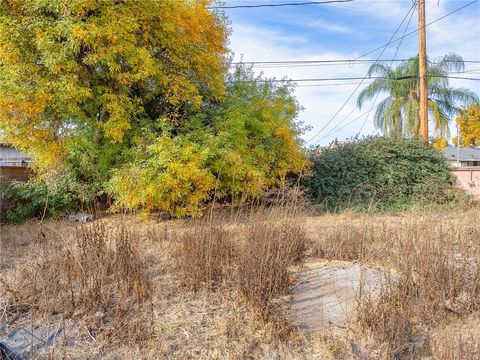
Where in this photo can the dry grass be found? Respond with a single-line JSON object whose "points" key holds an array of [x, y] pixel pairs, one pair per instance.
{"points": [[100, 279], [217, 288], [437, 258], [204, 256], [255, 265], [264, 259]]}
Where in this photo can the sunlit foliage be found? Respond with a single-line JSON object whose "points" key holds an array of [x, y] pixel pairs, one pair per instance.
{"points": [[134, 99], [103, 69], [469, 123], [236, 149]]}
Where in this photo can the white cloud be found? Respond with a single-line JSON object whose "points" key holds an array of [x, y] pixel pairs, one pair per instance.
{"points": [[320, 103], [459, 33], [329, 26]]}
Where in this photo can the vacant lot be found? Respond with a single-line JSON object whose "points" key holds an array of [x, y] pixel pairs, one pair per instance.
{"points": [[220, 287]]}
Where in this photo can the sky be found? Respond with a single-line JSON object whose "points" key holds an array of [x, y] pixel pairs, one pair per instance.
{"points": [[346, 31]]}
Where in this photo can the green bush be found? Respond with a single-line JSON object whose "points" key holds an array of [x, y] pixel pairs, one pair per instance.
{"points": [[385, 173], [34, 199]]}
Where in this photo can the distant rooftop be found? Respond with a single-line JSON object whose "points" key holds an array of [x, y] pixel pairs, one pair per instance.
{"points": [[10, 156], [466, 153]]}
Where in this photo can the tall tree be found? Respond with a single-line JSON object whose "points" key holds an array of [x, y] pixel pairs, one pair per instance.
{"points": [[236, 149], [469, 122], [399, 111], [107, 70]]}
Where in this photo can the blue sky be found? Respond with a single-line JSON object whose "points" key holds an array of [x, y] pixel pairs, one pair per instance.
{"points": [[345, 31]]}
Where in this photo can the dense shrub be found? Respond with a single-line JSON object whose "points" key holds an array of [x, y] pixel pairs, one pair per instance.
{"points": [[237, 149], [37, 199], [380, 173]]}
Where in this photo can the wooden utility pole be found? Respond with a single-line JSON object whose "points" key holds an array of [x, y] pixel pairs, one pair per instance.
{"points": [[422, 58]]}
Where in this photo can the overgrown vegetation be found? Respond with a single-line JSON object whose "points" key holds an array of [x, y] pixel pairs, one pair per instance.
{"points": [[235, 150], [116, 281], [436, 258], [100, 279], [130, 288], [256, 266], [380, 173], [150, 115], [21, 201]]}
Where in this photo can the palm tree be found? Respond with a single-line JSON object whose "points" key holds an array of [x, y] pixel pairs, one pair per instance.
{"points": [[399, 112]]}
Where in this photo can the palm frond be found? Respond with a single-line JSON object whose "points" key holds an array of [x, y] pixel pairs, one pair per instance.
{"points": [[441, 120], [380, 119], [376, 87], [450, 62]]}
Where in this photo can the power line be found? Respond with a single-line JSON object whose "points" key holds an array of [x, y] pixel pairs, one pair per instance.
{"points": [[331, 84], [358, 58], [455, 77], [301, 62], [349, 123], [389, 67], [339, 62], [403, 78], [349, 78], [361, 82], [414, 31], [278, 5], [383, 47], [361, 115]]}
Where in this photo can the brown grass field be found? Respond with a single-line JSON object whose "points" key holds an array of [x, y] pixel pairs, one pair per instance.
{"points": [[218, 288]]}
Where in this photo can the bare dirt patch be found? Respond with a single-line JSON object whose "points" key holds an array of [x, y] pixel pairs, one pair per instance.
{"points": [[326, 293]]}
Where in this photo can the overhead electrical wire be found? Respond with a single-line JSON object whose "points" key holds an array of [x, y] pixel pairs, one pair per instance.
{"points": [[358, 82], [383, 47], [328, 84], [358, 58], [361, 82], [293, 81], [293, 63], [349, 62], [310, 62], [253, 6], [416, 30], [389, 68], [350, 122]]}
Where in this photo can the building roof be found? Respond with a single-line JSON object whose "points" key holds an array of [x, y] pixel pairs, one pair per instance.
{"points": [[12, 157], [466, 153]]}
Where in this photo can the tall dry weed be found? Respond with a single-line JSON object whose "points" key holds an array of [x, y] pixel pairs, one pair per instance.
{"points": [[100, 280], [204, 256], [438, 267], [265, 256], [255, 264]]}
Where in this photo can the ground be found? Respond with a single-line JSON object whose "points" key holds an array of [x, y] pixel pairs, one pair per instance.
{"points": [[150, 311]]}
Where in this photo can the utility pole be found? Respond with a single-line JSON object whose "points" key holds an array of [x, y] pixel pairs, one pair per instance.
{"points": [[422, 58]]}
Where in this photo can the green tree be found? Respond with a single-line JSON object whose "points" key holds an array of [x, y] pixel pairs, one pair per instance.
{"points": [[134, 98], [399, 112], [256, 134], [234, 149]]}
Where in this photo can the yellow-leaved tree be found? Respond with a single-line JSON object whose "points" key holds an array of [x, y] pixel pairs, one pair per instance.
{"points": [[469, 122], [235, 149], [133, 98], [103, 71]]}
